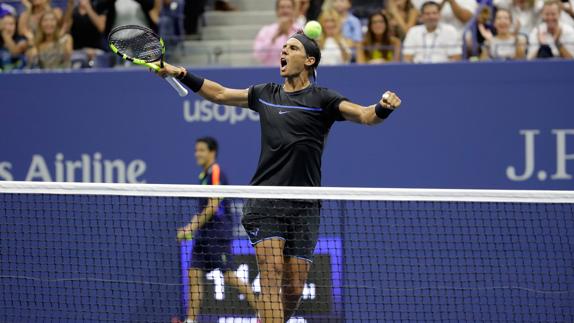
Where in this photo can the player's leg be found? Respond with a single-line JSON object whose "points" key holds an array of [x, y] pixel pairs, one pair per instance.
{"points": [[302, 232], [244, 288], [295, 272], [264, 222], [270, 262], [195, 293]]}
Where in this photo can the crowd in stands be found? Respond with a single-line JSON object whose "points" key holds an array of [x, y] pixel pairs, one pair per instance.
{"points": [[49, 37], [422, 31], [38, 34]]}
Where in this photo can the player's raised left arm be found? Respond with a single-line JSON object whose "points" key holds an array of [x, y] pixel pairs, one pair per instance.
{"points": [[373, 114]]}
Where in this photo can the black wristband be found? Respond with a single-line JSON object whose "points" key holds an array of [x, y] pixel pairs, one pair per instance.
{"points": [[382, 112], [192, 81]]}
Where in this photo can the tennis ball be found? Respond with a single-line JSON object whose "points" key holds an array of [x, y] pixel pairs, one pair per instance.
{"points": [[313, 29]]}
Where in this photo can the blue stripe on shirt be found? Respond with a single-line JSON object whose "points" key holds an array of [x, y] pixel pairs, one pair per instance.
{"points": [[288, 106]]}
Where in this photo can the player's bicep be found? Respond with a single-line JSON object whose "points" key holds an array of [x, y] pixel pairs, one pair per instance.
{"points": [[237, 97], [352, 111], [217, 93]]}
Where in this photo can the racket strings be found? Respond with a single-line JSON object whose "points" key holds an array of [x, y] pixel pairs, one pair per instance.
{"points": [[137, 43]]}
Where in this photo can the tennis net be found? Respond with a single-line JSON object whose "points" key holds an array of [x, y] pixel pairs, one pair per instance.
{"points": [[75, 252]]}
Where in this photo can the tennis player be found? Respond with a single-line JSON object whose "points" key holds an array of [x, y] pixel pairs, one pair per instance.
{"points": [[295, 118], [211, 230]]}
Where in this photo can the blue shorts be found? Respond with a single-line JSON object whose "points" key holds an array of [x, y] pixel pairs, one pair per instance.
{"points": [[211, 254]]}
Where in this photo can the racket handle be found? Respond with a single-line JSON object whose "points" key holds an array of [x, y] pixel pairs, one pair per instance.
{"points": [[181, 90]]}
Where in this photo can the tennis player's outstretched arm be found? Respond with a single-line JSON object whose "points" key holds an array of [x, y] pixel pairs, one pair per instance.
{"points": [[210, 90], [373, 114]]}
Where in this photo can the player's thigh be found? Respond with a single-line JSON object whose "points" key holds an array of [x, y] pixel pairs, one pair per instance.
{"points": [[303, 231], [269, 253], [264, 219]]}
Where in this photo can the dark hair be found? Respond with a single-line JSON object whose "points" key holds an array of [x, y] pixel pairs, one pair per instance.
{"points": [[428, 4], [370, 42], [311, 49], [210, 142]]}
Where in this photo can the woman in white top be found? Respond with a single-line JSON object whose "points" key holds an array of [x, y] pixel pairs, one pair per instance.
{"points": [[30, 18], [334, 46], [505, 45]]}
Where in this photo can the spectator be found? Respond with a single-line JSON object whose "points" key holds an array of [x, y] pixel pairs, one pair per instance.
{"points": [[402, 16], [505, 45], [456, 13], [130, 12], [351, 25], [302, 8], [525, 13], [171, 27], [334, 46], [52, 49], [551, 38], [30, 18], [87, 25], [315, 9], [86, 22], [12, 46], [480, 29], [433, 42], [567, 17], [193, 9], [6, 9], [270, 39], [379, 46]]}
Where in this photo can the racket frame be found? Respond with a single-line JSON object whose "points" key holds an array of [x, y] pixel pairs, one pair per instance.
{"points": [[182, 91]]}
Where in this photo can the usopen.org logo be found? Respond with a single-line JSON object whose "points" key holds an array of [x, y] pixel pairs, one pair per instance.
{"points": [[206, 111]]}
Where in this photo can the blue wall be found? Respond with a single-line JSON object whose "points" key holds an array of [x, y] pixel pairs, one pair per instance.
{"points": [[461, 126]]}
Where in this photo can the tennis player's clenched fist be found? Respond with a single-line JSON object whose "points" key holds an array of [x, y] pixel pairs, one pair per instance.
{"points": [[390, 100]]}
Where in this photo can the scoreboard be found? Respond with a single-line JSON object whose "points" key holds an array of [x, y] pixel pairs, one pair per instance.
{"points": [[321, 299]]}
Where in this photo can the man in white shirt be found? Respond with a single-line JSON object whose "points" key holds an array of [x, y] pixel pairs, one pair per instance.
{"points": [[432, 42], [551, 38], [456, 13]]}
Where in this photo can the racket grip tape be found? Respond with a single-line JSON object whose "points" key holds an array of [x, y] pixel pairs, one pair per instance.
{"points": [[181, 90]]}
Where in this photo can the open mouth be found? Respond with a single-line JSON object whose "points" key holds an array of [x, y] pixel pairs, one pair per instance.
{"points": [[283, 64]]}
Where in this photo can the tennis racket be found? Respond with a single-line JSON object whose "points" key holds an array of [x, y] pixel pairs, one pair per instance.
{"points": [[141, 46]]}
